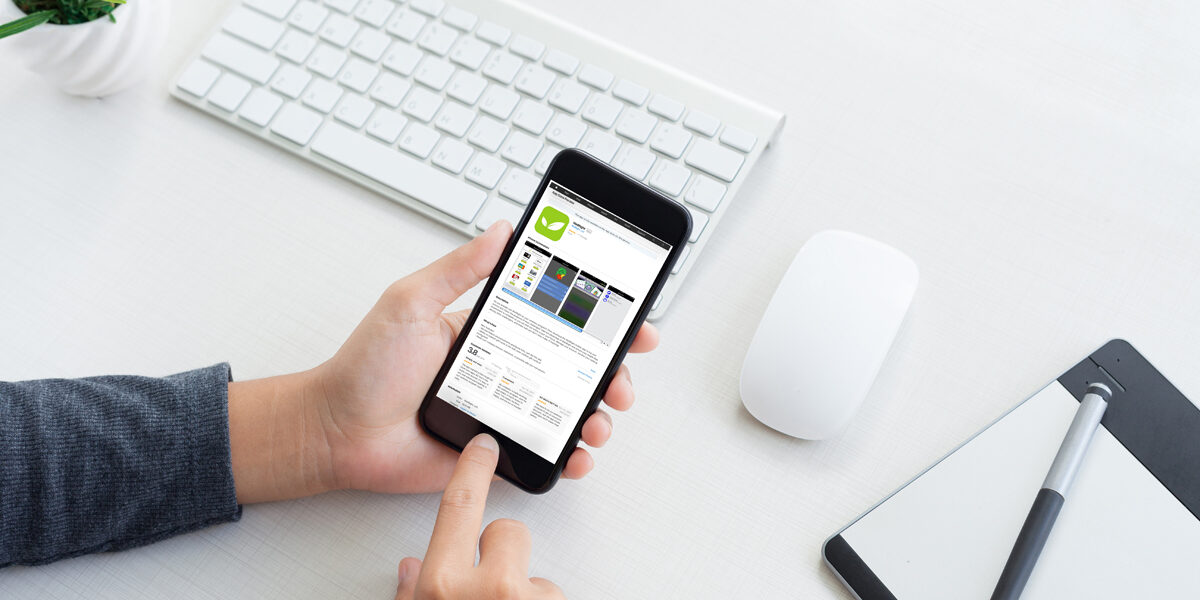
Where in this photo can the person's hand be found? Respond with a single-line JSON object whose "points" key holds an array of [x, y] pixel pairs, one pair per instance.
{"points": [[449, 571], [352, 421]]}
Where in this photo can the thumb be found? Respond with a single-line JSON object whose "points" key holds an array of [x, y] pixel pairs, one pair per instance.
{"points": [[452, 275], [410, 571]]}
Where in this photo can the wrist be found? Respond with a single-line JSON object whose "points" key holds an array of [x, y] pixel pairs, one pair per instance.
{"points": [[277, 441]]}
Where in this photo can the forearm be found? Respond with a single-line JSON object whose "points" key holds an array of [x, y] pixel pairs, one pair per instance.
{"points": [[107, 463], [277, 443]]}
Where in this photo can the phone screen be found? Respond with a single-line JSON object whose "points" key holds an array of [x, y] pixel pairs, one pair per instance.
{"points": [[545, 336]]}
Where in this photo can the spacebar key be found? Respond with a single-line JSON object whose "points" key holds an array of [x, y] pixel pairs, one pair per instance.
{"points": [[399, 172]]}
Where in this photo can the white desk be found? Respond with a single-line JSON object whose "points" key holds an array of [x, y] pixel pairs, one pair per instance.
{"points": [[1040, 164]]}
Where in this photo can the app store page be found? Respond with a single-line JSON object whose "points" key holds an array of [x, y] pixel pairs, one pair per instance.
{"points": [[554, 321]]}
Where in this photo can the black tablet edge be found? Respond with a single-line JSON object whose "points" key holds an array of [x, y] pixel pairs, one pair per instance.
{"points": [[849, 567], [1154, 421]]}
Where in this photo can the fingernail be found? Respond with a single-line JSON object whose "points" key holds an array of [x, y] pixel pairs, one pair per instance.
{"points": [[486, 442], [495, 225], [403, 571]]}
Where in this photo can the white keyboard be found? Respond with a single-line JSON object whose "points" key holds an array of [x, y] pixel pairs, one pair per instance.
{"points": [[456, 110]]}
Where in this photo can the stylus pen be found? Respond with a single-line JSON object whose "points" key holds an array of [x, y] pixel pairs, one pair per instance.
{"points": [[1050, 498]]}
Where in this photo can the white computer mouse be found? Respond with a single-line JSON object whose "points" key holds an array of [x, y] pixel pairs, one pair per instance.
{"points": [[825, 333]]}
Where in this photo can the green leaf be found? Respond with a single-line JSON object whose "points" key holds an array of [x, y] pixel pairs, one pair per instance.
{"points": [[26, 22]]}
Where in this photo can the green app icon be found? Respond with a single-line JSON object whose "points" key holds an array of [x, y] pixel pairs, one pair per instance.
{"points": [[551, 223]]}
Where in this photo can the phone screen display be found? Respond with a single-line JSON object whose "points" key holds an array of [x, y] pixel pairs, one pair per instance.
{"points": [[545, 336]]}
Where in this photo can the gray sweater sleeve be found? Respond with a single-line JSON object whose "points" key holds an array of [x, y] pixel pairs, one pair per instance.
{"points": [[109, 463]]}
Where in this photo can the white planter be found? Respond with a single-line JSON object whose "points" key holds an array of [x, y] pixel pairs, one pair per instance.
{"points": [[97, 58]]}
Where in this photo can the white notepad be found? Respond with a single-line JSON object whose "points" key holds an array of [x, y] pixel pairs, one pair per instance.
{"points": [[948, 533]]}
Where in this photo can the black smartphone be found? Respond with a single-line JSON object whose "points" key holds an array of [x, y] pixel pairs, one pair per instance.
{"points": [[556, 317]]}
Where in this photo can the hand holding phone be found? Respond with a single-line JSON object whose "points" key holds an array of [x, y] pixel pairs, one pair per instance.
{"points": [[556, 317], [364, 399]]}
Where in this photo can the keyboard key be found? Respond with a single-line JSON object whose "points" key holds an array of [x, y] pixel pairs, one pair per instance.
{"points": [[422, 104], [665, 107], [520, 149], [636, 125], [353, 110], [434, 72], [241, 58], [374, 12], [358, 75], [260, 107], [705, 193], [276, 9], [308, 16], [669, 178], [488, 134], [699, 220], [402, 58], [532, 117], [295, 46], [671, 140], [466, 87], [542, 164], [566, 131], [459, 18], [491, 32], [370, 44], [438, 38], [419, 140], [406, 25], [715, 160], [631, 92], [496, 210], [390, 89], [502, 66], [633, 161], [683, 256], [485, 170], [601, 110], [600, 144], [738, 138], [254, 27], [452, 155], [229, 92], [339, 30], [535, 81], [402, 173], [568, 95], [198, 78], [432, 8], [341, 5], [702, 123], [562, 62], [455, 119], [499, 102], [527, 47], [386, 125], [296, 123], [326, 60], [290, 81], [321, 95], [519, 186], [596, 77], [470, 52]]}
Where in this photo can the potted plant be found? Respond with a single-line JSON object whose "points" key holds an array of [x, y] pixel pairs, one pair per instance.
{"points": [[86, 47]]}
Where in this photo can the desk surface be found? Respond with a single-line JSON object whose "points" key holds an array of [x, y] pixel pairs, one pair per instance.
{"points": [[1039, 164]]}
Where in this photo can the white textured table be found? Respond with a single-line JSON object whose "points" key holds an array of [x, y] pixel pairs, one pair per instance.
{"points": [[1041, 162]]}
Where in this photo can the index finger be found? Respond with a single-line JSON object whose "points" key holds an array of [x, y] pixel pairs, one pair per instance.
{"points": [[456, 532], [645, 340]]}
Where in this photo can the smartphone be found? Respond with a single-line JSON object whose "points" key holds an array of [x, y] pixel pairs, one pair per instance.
{"points": [[556, 317]]}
